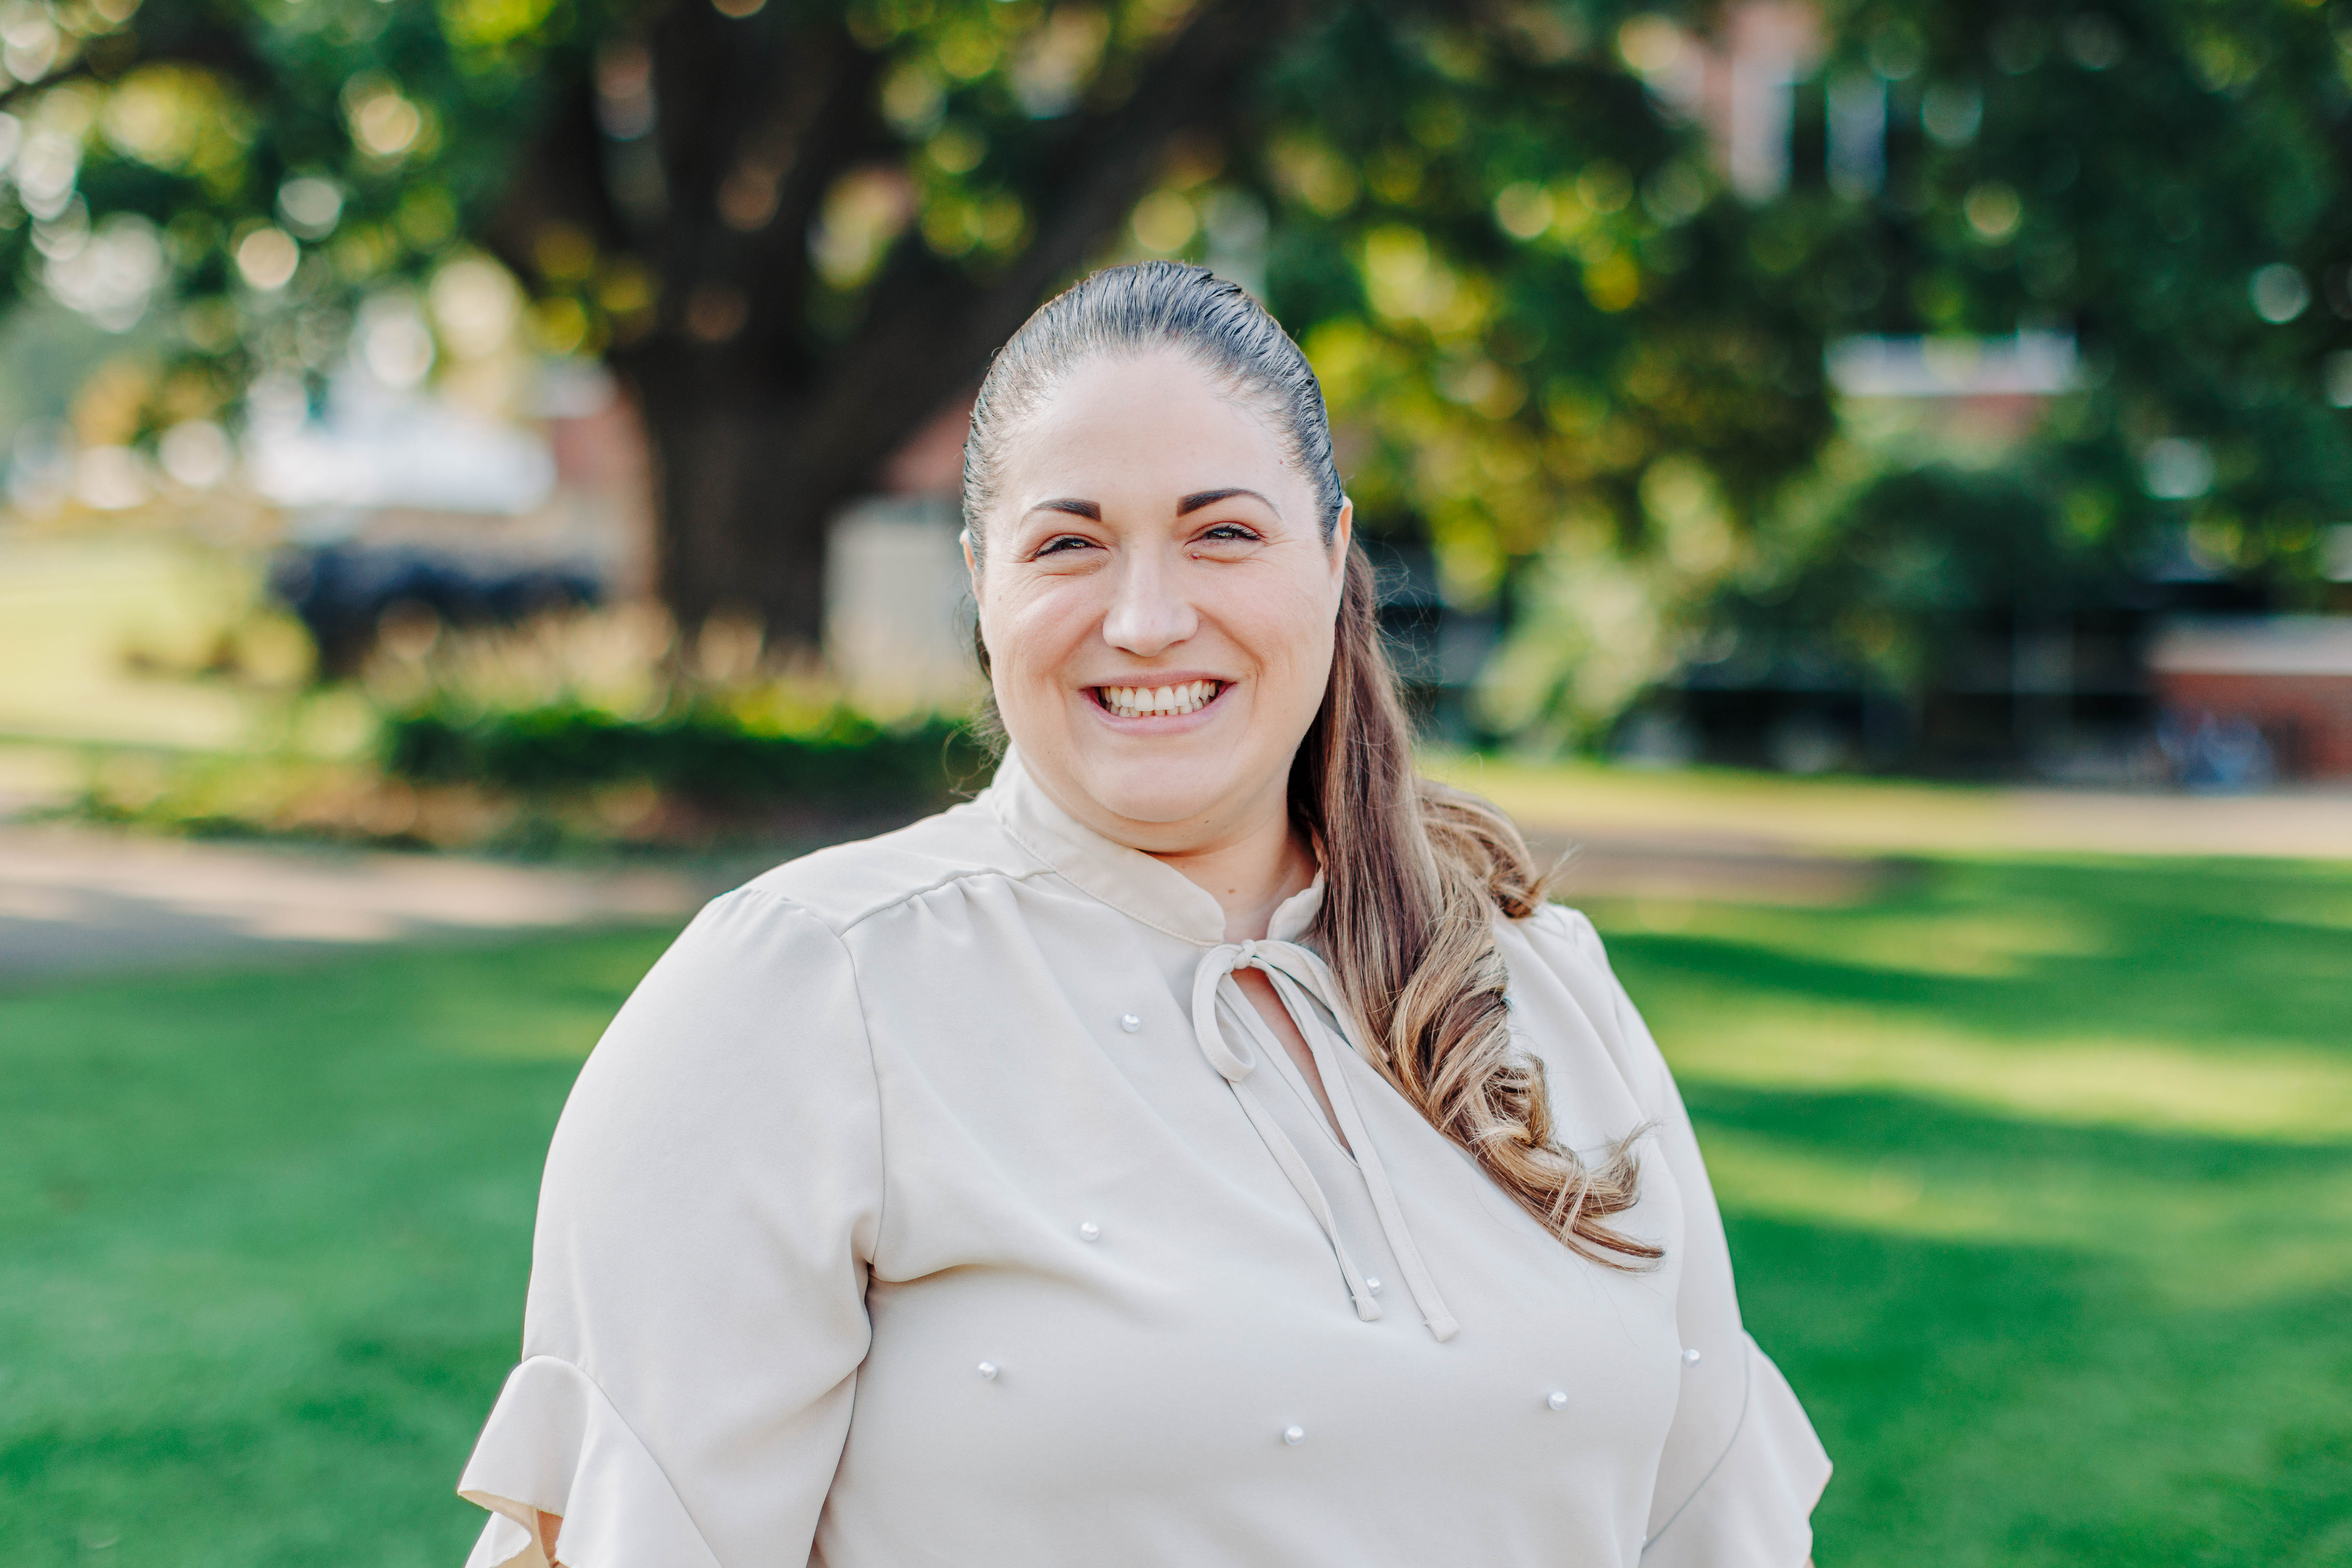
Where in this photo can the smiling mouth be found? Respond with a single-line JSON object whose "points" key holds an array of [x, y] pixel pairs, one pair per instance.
{"points": [[1158, 701]]}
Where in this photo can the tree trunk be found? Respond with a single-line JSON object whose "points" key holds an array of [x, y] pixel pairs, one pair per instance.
{"points": [[743, 510], [748, 481], [741, 533], [760, 432]]}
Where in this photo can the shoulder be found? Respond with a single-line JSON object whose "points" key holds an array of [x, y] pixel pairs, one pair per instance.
{"points": [[841, 887], [750, 1024], [1562, 940], [770, 955], [1566, 1000], [1559, 923]]}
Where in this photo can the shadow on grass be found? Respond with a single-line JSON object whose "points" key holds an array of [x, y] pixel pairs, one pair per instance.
{"points": [[1931, 1135], [2215, 952], [1990, 1402], [2022, 1406], [2039, 1179]]}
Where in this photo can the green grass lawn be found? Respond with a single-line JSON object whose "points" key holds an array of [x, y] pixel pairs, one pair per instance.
{"points": [[2039, 1177], [2039, 1174]]}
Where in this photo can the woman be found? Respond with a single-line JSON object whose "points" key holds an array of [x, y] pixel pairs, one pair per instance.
{"points": [[1204, 1148]]}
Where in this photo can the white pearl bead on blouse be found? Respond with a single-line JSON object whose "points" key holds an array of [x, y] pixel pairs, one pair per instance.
{"points": [[1090, 1231], [1690, 1356], [1130, 1022], [987, 1369], [1559, 1400], [1372, 1285], [1294, 1435]]}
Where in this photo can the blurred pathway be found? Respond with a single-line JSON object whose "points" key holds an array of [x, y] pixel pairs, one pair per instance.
{"points": [[1704, 867], [80, 898], [1797, 817], [77, 899]]}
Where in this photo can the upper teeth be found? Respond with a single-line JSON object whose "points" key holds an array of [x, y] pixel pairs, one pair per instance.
{"points": [[1135, 702]]}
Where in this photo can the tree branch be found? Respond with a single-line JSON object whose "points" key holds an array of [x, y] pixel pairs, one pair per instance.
{"points": [[927, 337]]}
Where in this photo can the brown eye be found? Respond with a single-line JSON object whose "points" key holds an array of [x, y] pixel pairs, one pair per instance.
{"points": [[1066, 542]]}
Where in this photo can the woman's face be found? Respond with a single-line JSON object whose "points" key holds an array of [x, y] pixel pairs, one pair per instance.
{"points": [[1158, 603]]}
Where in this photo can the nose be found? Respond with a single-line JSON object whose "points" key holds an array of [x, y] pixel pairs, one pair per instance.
{"points": [[1149, 614]]}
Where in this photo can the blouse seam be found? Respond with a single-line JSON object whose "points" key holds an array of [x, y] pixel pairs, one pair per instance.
{"points": [[874, 1071], [965, 874], [1747, 1393], [865, 1033]]}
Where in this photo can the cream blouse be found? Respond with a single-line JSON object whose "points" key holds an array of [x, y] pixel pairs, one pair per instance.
{"points": [[939, 1200]]}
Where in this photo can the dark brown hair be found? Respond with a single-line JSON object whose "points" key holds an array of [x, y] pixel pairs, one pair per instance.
{"points": [[1413, 872]]}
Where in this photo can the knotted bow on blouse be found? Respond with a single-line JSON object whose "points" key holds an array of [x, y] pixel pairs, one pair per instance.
{"points": [[1299, 975]]}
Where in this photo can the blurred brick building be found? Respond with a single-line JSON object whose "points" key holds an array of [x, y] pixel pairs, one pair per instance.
{"points": [[2288, 676]]}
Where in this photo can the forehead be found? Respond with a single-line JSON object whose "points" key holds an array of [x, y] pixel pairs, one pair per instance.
{"points": [[1124, 426]]}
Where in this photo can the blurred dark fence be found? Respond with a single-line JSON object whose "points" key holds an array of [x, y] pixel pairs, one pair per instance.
{"points": [[343, 594]]}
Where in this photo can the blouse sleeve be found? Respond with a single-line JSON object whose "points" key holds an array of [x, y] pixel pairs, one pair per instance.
{"points": [[1742, 1467], [697, 1308]]}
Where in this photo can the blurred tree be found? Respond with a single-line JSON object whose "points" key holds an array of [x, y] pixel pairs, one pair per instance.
{"points": [[842, 212], [2165, 180], [1900, 587], [797, 229], [1543, 340], [1558, 348]]}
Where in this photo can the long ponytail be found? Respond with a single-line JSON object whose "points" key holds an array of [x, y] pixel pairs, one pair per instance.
{"points": [[1413, 875]]}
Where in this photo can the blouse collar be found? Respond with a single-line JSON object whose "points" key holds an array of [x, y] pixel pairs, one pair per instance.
{"points": [[1127, 879], [1135, 884]]}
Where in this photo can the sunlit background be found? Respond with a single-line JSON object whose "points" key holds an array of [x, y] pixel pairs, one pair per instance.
{"points": [[1874, 481]]}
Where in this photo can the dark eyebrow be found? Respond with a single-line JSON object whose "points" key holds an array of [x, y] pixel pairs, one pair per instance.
{"points": [[1070, 504], [1211, 498]]}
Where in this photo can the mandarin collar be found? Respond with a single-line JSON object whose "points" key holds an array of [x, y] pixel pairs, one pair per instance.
{"points": [[1127, 879]]}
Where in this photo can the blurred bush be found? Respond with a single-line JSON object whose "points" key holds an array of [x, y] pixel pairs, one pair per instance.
{"points": [[705, 754], [575, 729], [555, 780]]}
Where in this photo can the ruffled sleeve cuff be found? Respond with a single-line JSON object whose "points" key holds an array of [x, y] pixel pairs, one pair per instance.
{"points": [[555, 1443], [1755, 1508]]}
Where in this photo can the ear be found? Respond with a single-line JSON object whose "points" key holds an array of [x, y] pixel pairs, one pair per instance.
{"points": [[979, 630], [1342, 533]]}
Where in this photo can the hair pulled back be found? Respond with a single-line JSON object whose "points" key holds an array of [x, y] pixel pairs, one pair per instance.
{"points": [[1413, 872]]}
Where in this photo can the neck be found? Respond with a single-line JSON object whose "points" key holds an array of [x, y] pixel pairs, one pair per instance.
{"points": [[1250, 872], [1248, 856]]}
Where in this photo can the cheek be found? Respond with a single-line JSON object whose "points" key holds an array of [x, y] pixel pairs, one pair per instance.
{"points": [[1032, 628], [1297, 634]]}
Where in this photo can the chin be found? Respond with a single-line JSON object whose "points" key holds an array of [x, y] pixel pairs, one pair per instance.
{"points": [[1154, 790]]}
